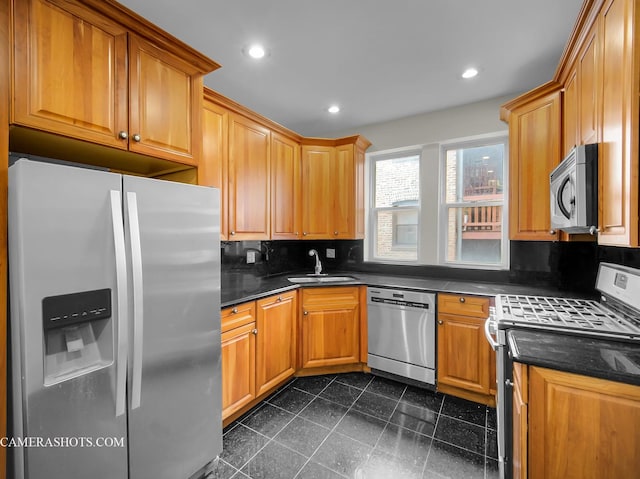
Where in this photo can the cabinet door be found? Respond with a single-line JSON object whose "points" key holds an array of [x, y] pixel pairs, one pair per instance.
{"points": [[520, 422], [534, 135], [582, 427], [212, 168], [463, 353], [618, 160], [70, 72], [330, 327], [317, 204], [285, 188], [589, 89], [248, 173], [344, 193], [165, 103], [276, 340], [570, 113], [238, 368]]}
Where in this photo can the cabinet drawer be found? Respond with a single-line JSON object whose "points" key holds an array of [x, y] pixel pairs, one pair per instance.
{"points": [[238, 315], [463, 305], [277, 298]]}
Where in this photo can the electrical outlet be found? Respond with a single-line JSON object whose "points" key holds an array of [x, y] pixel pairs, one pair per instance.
{"points": [[331, 253], [251, 257]]}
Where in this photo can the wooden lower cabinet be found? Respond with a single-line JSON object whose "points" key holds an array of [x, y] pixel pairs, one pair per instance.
{"points": [[258, 349], [578, 427], [238, 368], [330, 326], [465, 358], [276, 340]]}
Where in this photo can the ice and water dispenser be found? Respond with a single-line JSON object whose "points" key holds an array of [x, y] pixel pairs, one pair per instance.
{"points": [[78, 334]]}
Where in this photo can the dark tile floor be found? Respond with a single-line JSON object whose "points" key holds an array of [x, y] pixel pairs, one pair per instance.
{"points": [[360, 426]]}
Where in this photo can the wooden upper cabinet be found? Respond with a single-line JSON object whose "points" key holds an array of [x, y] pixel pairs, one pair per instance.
{"points": [[70, 72], [212, 168], [618, 154], [534, 150], [165, 101], [285, 188], [82, 73], [333, 190], [317, 190], [249, 180], [344, 193]]}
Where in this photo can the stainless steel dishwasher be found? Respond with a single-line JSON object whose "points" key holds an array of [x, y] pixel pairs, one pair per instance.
{"points": [[402, 334]]}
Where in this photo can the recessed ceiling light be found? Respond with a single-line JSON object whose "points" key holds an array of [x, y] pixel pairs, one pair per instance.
{"points": [[485, 157], [333, 109], [469, 73], [256, 51]]}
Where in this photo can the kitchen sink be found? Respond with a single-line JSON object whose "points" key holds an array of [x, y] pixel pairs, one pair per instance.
{"points": [[321, 279]]}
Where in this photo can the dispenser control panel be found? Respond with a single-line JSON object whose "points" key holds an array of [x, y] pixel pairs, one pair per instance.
{"points": [[73, 308]]}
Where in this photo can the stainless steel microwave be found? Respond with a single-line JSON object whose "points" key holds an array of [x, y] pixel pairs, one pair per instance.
{"points": [[574, 191]]}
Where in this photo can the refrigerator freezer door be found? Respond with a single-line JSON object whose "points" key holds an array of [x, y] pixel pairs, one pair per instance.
{"points": [[175, 425], [61, 242]]}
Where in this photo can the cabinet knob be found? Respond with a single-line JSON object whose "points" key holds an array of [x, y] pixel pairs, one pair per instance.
{"points": [[254, 332], [594, 230], [234, 311], [123, 135], [508, 383], [304, 233], [297, 233], [306, 313], [552, 232], [335, 233], [462, 300], [279, 299], [232, 233], [440, 321], [136, 138]]}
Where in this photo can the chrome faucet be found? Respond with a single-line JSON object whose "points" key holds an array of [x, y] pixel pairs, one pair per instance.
{"points": [[318, 268]]}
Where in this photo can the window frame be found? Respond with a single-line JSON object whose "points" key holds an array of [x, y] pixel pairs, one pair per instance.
{"points": [[371, 227], [443, 206]]}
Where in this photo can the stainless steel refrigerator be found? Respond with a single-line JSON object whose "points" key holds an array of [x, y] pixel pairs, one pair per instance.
{"points": [[115, 324]]}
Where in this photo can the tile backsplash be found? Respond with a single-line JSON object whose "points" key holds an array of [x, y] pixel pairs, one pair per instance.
{"points": [[563, 265]]}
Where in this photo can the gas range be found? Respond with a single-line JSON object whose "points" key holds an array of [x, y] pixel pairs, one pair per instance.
{"points": [[617, 315]]}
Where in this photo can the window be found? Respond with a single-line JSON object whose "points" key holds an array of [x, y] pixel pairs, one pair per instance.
{"points": [[473, 205], [395, 212], [439, 205]]}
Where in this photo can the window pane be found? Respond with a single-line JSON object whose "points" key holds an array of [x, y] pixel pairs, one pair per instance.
{"points": [[396, 235], [474, 174], [397, 182], [474, 234]]}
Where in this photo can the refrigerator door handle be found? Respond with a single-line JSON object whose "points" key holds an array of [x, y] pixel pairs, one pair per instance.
{"points": [[138, 306], [121, 292]]}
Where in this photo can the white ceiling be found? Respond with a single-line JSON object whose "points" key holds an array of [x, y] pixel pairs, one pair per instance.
{"points": [[378, 59]]}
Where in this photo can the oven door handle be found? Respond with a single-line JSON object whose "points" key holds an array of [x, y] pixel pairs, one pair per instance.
{"points": [[487, 332]]}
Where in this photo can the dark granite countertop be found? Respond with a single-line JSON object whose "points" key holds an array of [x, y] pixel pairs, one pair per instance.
{"points": [[238, 288], [601, 358]]}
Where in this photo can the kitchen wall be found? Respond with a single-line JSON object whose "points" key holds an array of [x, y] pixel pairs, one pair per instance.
{"points": [[561, 265]]}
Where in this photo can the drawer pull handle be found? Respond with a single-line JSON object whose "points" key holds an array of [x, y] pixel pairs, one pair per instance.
{"points": [[234, 311], [462, 300], [279, 299]]}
